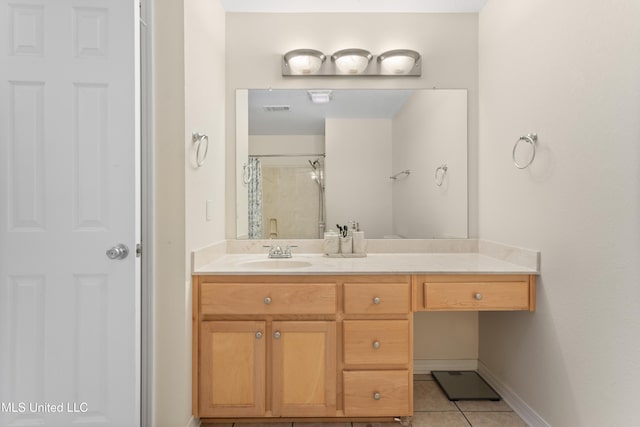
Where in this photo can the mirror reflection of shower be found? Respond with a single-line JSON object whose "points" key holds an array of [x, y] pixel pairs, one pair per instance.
{"points": [[318, 176], [291, 197]]}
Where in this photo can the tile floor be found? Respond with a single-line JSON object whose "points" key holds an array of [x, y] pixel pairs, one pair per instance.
{"points": [[431, 408]]}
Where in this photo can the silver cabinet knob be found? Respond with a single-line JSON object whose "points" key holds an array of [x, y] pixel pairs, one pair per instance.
{"points": [[376, 396], [376, 300], [276, 335], [376, 345], [258, 335], [267, 300], [478, 296], [118, 252]]}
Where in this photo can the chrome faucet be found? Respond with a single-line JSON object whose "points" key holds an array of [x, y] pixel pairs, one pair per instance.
{"points": [[276, 251]]}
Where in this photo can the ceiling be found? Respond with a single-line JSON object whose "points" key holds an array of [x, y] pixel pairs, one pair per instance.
{"points": [[373, 6], [307, 118]]}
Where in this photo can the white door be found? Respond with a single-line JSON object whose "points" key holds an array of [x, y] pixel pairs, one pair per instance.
{"points": [[69, 138]]}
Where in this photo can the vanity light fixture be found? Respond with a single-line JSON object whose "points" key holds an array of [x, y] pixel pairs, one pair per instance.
{"points": [[398, 62], [351, 61], [303, 61], [320, 96]]}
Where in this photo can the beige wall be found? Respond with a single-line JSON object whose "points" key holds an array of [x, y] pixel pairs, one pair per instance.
{"points": [[189, 96], [569, 71], [449, 45], [169, 266]]}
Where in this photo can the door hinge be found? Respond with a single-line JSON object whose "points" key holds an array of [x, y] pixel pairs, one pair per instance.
{"points": [[138, 250]]}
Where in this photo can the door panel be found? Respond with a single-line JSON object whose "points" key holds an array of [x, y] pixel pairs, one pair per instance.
{"points": [[69, 155], [304, 368]]}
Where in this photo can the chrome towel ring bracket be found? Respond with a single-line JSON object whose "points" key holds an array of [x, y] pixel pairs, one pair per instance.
{"points": [[200, 139], [441, 171], [531, 138]]}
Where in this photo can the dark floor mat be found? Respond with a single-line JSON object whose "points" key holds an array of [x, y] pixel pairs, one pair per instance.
{"points": [[464, 385]]}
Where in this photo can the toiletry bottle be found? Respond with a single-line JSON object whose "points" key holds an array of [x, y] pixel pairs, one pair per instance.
{"points": [[359, 244]]}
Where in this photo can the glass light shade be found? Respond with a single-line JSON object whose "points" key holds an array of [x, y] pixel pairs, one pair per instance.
{"points": [[397, 62], [352, 61], [304, 61]]}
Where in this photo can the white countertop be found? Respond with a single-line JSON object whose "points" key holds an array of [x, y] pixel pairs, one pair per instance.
{"points": [[373, 263]]}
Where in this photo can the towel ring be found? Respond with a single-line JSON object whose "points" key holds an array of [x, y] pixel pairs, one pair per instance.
{"points": [[199, 139], [440, 180], [247, 173], [531, 138]]}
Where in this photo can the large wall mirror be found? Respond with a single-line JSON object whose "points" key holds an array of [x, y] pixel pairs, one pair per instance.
{"points": [[393, 160]]}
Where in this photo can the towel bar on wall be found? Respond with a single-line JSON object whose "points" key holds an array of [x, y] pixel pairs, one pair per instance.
{"points": [[406, 172]]}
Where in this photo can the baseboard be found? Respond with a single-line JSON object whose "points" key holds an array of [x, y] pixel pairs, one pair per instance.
{"points": [[425, 366], [519, 406], [193, 422]]}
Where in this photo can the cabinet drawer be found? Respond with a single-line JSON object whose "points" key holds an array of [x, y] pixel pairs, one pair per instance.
{"points": [[476, 296], [376, 393], [376, 298], [376, 342], [268, 298]]}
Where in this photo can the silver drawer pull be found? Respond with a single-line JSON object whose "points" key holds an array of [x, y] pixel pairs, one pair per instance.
{"points": [[258, 335], [267, 300], [376, 344], [376, 396], [276, 335], [478, 296], [376, 300]]}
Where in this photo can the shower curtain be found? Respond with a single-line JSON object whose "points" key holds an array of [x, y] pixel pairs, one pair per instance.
{"points": [[255, 199]]}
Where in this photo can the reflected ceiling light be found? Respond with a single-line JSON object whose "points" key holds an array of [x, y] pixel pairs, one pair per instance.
{"points": [[398, 62], [320, 96], [304, 61], [351, 61]]}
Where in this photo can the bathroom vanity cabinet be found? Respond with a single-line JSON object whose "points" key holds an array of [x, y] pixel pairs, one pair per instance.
{"points": [[323, 347]]}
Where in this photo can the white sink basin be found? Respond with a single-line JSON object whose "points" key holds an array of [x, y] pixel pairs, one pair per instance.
{"points": [[276, 264]]}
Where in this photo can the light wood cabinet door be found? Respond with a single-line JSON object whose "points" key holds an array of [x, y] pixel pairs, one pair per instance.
{"points": [[268, 298], [376, 298], [304, 368], [377, 393], [376, 342], [474, 296], [232, 368]]}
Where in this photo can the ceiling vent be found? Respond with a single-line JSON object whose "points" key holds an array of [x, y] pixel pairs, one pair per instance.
{"points": [[276, 108]]}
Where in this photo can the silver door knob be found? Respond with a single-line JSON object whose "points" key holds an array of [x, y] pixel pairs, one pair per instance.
{"points": [[376, 396], [376, 300], [478, 296], [376, 345], [118, 252], [267, 300], [276, 335], [258, 335]]}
